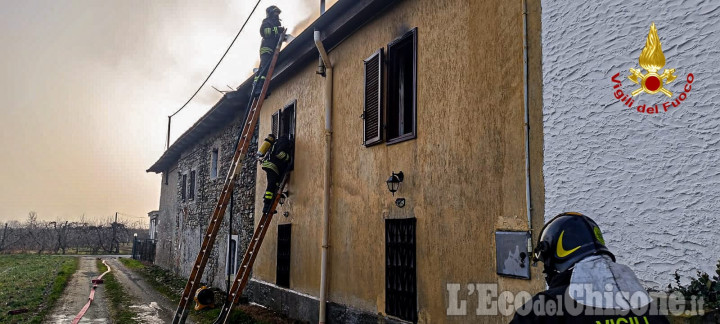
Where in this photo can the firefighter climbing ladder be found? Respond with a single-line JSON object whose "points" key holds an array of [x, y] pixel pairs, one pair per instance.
{"points": [[243, 274], [241, 150]]}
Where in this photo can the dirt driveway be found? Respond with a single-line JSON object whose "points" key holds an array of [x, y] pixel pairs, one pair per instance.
{"points": [[150, 306], [76, 296]]}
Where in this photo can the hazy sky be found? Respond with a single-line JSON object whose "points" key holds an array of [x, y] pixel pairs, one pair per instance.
{"points": [[86, 87]]}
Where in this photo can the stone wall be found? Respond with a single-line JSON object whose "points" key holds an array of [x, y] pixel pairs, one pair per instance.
{"points": [[182, 224]]}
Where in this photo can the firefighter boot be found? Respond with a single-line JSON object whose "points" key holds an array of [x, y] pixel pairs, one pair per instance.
{"points": [[267, 201]]}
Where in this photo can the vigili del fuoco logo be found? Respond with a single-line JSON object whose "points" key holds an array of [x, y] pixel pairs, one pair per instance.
{"points": [[652, 82]]}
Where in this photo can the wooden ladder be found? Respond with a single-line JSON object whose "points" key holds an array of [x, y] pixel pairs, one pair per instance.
{"points": [[243, 274], [241, 150]]}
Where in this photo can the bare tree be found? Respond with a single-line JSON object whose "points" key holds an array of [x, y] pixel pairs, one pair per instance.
{"points": [[59, 236]]}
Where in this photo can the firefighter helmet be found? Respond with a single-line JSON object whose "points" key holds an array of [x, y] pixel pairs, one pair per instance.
{"points": [[272, 9], [567, 239]]}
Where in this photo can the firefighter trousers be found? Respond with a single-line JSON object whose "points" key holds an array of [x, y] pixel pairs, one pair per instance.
{"points": [[273, 182]]}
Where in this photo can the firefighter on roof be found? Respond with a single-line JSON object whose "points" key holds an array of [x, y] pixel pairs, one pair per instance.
{"points": [[275, 164], [270, 31]]}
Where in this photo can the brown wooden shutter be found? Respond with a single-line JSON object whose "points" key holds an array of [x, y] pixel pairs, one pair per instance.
{"points": [[372, 110]]}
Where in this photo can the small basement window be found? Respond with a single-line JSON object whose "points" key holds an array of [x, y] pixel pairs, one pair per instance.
{"points": [[402, 89]]}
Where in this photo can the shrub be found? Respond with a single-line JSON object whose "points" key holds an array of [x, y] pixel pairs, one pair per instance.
{"points": [[703, 286]]}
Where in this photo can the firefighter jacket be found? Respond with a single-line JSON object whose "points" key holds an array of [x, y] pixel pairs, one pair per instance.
{"points": [[279, 157], [270, 32], [562, 304]]}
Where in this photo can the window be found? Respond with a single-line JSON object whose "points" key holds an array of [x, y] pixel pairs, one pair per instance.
{"points": [[287, 120], [183, 187], [191, 191], [283, 256], [231, 265], [372, 103], [165, 177], [214, 163], [283, 123], [402, 83], [400, 274], [275, 124]]}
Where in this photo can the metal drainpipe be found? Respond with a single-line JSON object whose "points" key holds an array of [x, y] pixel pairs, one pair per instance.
{"points": [[527, 125], [326, 186]]}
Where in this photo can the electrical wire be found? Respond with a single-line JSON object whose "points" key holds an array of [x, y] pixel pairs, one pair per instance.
{"points": [[221, 58]]}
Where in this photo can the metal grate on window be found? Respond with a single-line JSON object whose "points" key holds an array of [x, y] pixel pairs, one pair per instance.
{"points": [[372, 104], [283, 256], [400, 270]]}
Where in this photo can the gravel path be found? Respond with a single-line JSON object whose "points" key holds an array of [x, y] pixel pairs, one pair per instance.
{"points": [[76, 296], [151, 306]]}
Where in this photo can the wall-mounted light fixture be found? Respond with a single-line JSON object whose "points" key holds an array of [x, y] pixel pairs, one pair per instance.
{"points": [[394, 181], [283, 196]]}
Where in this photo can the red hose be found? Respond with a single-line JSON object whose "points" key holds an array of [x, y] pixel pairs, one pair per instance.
{"points": [[95, 281]]}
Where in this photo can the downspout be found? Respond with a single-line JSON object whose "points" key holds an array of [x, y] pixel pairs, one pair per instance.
{"points": [[528, 206], [326, 185]]}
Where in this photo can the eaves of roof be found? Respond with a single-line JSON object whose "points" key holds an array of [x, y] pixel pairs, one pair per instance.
{"points": [[338, 23]]}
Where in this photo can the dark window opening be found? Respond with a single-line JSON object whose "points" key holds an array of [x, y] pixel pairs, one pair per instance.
{"points": [[214, 163], [283, 123], [373, 99], [191, 192], [402, 88], [231, 265], [283, 256], [183, 186], [165, 177], [400, 270]]}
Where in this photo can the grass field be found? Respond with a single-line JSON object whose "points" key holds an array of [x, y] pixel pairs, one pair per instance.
{"points": [[33, 282]]}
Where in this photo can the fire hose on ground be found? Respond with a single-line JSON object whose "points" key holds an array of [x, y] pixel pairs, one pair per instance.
{"points": [[95, 283]]}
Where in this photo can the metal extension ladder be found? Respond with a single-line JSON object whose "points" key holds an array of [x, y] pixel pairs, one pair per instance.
{"points": [[241, 150]]}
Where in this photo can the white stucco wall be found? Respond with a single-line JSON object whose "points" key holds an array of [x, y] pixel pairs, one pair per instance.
{"points": [[652, 182]]}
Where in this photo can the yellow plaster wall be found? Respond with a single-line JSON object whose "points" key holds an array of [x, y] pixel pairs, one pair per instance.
{"points": [[464, 174]]}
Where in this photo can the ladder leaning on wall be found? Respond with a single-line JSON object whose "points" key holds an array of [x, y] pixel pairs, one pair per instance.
{"points": [[241, 150], [243, 274]]}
